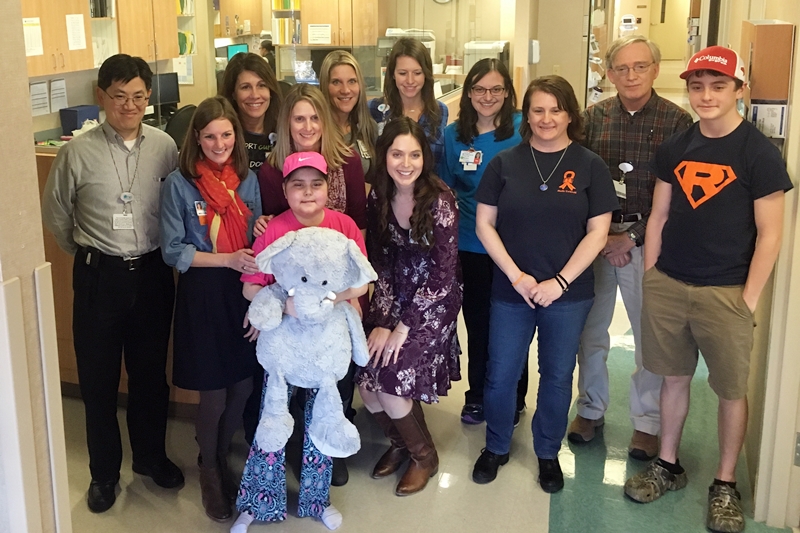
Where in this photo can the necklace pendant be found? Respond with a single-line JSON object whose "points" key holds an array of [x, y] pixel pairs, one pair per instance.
{"points": [[543, 187]]}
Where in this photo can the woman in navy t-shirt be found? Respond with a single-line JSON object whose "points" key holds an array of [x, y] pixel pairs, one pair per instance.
{"points": [[544, 209]]}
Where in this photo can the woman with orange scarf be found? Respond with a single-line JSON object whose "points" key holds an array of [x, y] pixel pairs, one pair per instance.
{"points": [[208, 207]]}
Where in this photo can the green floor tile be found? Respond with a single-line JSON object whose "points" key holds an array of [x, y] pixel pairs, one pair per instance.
{"points": [[593, 499]]}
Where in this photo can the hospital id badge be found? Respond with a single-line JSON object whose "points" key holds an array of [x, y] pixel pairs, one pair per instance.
{"points": [[200, 209], [621, 189], [124, 221]]}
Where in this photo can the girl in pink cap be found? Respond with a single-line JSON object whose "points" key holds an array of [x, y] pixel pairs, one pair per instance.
{"points": [[262, 493]]}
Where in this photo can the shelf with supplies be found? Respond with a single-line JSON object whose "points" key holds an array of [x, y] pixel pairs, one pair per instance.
{"points": [[185, 8], [285, 5]]}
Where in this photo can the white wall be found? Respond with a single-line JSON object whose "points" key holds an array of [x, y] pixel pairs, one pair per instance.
{"points": [[21, 250], [671, 35], [563, 46]]}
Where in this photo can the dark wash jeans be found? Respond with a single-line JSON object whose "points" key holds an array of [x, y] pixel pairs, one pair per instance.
{"points": [[511, 331]]}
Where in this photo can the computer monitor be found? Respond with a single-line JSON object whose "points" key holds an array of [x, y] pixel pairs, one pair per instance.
{"points": [[165, 89], [234, 49], [164, 96]]}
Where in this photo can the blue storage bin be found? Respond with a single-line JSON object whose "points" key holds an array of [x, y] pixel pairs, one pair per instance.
{"points": [[72, 118]]}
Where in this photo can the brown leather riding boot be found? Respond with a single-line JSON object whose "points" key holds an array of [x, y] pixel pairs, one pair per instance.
{"points": [[424, 460], [397, 453], [216, 505], [230, 482]]}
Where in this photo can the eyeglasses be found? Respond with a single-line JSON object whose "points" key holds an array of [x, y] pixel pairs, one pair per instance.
{"points": [[638, 69], [497, 90], [120, 99]]}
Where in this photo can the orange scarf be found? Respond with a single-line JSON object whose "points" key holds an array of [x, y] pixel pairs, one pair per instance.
{"points": [[226, 212]]}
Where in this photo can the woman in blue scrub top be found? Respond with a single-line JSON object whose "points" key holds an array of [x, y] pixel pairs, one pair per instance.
{"points": [[488, 122]]}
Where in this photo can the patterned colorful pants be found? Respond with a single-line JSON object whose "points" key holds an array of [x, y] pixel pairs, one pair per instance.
{"points": [[262, 492]]}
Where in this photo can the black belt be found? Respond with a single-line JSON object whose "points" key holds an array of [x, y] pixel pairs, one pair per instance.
{"points": [[97, 259], [619, 218]]}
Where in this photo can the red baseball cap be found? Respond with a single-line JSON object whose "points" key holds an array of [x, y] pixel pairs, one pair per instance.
{"points": [[304, 159], [719, 59]]}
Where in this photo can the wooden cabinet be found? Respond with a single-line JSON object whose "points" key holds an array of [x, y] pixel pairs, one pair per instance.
{"points": [[57, 57], [337, 13], [353, 22], [231, 26], [148, 30]]}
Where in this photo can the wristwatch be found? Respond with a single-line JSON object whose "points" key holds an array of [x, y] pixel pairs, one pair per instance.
{"points": [[635, 238]]}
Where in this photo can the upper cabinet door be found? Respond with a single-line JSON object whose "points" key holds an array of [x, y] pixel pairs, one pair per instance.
{"points": [[165, 16], [135, 26], [56, 56], [76, 58], [321, 12]]}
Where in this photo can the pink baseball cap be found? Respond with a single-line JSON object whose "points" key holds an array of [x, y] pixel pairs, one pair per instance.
{"points": [[719, 59], [304, 159]]}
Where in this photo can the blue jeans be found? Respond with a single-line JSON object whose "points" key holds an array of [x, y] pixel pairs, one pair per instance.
{"points": [[511, 329]]}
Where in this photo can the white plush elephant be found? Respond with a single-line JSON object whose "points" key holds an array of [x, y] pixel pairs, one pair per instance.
{"points": [[314, 350]]}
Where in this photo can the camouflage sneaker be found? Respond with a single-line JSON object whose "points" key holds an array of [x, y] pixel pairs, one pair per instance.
{"points": [[724, 510], [653, 483]]}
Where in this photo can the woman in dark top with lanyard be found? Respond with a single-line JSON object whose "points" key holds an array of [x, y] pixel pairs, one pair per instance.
{"points": [[340, 79], [250, 86], [562, 194], [408, 91]]}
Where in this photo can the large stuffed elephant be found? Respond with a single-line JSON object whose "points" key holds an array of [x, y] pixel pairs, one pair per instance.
{"points": [[314, 350]]}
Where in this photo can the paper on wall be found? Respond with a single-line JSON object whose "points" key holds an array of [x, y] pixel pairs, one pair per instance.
{"points": [[76, 34], [40, 101], [32, 29], [183, 67], [319, 34], [58, 95]]}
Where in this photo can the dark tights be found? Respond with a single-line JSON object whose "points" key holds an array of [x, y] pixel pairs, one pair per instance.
{"points": [[218, 416]]}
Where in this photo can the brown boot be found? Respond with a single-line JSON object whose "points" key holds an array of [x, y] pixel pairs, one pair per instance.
{"points": [[230, 483], [397, 453], [217, 506], [424, 460]]}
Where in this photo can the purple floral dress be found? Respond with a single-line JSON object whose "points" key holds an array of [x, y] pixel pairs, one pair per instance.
{"points": [[423, 289]]}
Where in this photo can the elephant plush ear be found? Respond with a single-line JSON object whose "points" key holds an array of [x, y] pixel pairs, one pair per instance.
{"points": [[360, 269], [264, 259]]}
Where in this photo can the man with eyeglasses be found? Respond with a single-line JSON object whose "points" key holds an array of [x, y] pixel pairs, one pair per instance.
{"points": [[625, 131], [101, 203]]}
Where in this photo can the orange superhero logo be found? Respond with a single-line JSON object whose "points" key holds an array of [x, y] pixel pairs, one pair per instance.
{"points": [[566, 185], [702, 181]]}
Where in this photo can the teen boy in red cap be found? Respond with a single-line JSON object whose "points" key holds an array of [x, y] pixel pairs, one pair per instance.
{"points": [[713, 237]]}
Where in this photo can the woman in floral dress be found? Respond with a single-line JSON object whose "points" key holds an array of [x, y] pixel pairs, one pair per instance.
{"points": [[412, 240]]}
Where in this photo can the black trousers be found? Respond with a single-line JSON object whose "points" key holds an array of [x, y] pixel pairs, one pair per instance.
{"points": [[122, 307], [477, 270]]}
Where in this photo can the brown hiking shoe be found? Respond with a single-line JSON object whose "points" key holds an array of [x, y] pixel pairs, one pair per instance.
{"points": [[582, 430], [725, 513], [653, 483], [643, 446]]}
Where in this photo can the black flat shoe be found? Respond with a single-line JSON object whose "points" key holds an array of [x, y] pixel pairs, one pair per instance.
{"points": [[340, 475], [485, 470], [551, 479], [101, 496], [165, 474]]}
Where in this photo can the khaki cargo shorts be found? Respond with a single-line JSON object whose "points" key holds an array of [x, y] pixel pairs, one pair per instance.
{"points": [[680, 319]]}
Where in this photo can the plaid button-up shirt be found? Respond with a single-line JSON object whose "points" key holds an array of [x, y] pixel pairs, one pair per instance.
{"points": [[618, 136]]}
